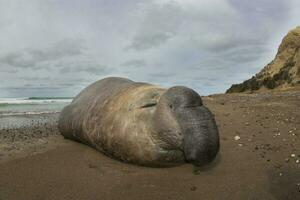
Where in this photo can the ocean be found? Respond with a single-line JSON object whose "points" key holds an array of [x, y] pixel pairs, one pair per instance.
{"points": [[32, 105]]}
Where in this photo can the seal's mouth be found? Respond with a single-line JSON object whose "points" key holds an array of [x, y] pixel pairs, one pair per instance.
{"points": [[199, 161]]}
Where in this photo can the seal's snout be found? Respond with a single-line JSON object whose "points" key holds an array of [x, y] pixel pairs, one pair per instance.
{"points": [[200, 133], [201, 137]]}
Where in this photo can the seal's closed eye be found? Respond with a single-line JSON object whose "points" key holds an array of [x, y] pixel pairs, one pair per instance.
{"points": [[150, 104]]}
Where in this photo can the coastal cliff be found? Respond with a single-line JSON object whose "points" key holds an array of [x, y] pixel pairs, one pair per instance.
{"points": [[283, 72]]}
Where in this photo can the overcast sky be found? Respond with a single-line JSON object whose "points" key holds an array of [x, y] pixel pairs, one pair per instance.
{"points": [[58, 47]]}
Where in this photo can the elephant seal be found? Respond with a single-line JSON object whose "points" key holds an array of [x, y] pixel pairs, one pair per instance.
{"points": [[142, 123]]}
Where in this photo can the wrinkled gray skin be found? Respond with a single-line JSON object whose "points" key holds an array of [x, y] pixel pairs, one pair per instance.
{"points": [[142, 123]]}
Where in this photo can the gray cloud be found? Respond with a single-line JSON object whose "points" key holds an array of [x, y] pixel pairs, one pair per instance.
{"points": [[32, 78], [31, 58], [245, 54], [270, 10], [8, 70], [134, 63], [144, 41], [160, 23], [92, 70]]}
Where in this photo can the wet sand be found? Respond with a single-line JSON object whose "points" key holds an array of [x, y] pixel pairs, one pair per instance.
{"points": [[259, 159]]}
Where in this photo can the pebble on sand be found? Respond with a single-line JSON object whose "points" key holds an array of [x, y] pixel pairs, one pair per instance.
{"points": [[193, 188], [280, 174], [237, 137]]}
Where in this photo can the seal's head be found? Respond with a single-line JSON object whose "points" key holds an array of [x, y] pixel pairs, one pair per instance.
{"points": [[181, 114]]}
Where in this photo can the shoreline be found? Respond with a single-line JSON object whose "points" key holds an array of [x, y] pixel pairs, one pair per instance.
{"points": [[26, 135]]}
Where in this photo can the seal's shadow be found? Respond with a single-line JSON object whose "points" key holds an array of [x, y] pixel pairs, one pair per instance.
{"points": [[197, 170]]}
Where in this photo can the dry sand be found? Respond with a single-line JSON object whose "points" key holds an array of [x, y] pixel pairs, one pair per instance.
{"points": [[259, 159]]}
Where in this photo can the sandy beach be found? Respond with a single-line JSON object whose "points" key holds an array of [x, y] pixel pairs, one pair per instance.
{"points": [[259, 158]]}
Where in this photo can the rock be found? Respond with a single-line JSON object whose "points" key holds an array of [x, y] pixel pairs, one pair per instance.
{"points": [[236, 138], [193, 188], [277, 165], [293, 155]]}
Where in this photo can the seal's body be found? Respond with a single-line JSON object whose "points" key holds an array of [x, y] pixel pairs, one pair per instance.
{"points": [[142, 123]]}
